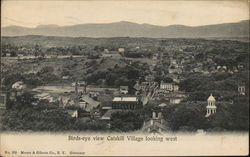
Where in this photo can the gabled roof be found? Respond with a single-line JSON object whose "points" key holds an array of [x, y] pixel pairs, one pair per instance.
{"points": [[19, 85], [137, 86], [144, 83], [108, 114]]}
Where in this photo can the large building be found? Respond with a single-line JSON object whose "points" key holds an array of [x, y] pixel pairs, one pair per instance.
{"points": [[120, 103], [130, 103], [211, 107]]}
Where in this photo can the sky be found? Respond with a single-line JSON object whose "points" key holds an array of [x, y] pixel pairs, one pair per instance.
{"points": [[31, 13]]}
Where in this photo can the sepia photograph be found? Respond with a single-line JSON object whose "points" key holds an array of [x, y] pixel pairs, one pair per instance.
{"points": [[127, 78]]}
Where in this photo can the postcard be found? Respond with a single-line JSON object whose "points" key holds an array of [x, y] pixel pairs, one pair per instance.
{"points": [[124, 78]]}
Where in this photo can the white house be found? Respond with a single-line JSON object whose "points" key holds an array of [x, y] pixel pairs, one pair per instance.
{"points": [[106, 51], [169, 86], [19, 85], [121, 49], [241, 89], [73, 113], [124, 89], [175, 100]]}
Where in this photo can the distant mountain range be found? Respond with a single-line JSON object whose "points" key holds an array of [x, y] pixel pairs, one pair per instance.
{"points": [[129, 29]]}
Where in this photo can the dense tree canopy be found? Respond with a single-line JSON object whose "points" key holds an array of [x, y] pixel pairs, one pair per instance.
{"points": [[126, 121]]}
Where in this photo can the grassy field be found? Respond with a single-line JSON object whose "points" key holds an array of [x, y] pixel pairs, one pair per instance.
{"points": [[76, 67]]}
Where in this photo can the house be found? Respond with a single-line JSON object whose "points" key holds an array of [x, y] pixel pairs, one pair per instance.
{"points": [[20, 55], [175, 87], [8, 55], [87, 104], [18, 89], [175, 100], [106, 51], [155, 56], [197, 69], [149, 78], [241, 89], [162, 105], [169, 86], [93, 95], [65, 77], [176, 80], [161, 92], [171, 97], [240, 66], [121, 49], [175, 77], [137, 88], [174, 70], [62, 101], [144, 85], [73, 113], [124, 89], [19, 85], [83, 104], [173, 62], [205, 72]]}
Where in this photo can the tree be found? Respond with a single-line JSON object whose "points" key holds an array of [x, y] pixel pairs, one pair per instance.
{"points": [[11, 78], [126, 121], [231, 116], [24, 115], [46, 69], [188, 114], [26, 100]]}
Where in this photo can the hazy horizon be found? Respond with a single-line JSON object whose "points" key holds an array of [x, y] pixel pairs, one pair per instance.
{"points": [[161, 13], [116, 22]]}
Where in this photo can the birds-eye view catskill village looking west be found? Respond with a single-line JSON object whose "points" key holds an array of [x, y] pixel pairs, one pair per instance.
{"points": [[189, 82]]}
